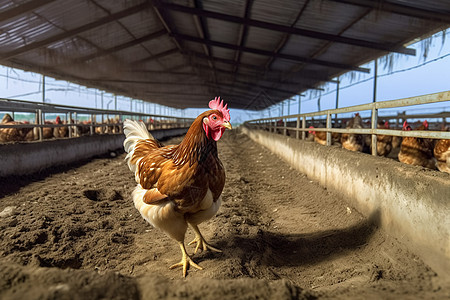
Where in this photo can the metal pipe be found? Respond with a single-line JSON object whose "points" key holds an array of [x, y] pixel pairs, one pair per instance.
{"points": [[40, 130], [43, 88], [70, 126], [328, 127], [375, 78], [374, 127], [303, 127], [337, 99]]}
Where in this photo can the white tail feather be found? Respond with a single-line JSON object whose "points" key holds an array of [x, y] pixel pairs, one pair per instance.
{"points": [[134, 132]]}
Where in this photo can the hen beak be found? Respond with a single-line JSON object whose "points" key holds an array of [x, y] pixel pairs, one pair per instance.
{"points": [[227, 125]]}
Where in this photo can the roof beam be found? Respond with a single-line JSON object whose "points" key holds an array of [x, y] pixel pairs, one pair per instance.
{"points": [[285, 29], [269, 54], [286, 36], [421, 13], [129, 44], [245, 85], [22, 9], [243, 33], [156, 56], [259, 69], [297, 84], [75, 31]]}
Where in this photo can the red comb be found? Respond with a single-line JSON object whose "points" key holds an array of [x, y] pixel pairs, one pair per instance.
{"points": [[218, 105], [425, 123]]}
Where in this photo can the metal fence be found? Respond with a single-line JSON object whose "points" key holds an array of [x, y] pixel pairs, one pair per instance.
{"points": [[98, 121], [300, 121]]}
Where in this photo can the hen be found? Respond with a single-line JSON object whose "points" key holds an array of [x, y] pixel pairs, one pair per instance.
{"points": [[353, 142], [321, 136], [12, 134], [179, 185], [442, 154], [417, 151], [384, 142], [60, 132]]}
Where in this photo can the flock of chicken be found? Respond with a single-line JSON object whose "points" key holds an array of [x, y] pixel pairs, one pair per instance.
{"points": [[428, 153], [31, 133]]}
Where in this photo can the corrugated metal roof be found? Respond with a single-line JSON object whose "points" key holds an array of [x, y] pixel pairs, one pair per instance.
{"points": [[181, 53]]}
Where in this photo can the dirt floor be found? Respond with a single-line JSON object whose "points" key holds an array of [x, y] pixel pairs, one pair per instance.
{"points": [[73, 233]]}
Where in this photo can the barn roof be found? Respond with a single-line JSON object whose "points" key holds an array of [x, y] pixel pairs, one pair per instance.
{"points": [[182, 53]]}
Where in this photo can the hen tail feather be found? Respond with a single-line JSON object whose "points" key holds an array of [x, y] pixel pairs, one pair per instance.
{"points": [[135, 132]]}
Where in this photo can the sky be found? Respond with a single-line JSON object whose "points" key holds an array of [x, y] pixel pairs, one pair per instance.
{"points": [[425, 73]]}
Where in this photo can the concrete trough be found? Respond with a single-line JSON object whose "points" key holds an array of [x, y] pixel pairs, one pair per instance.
{"points": [[413, 202], [27, 158]]}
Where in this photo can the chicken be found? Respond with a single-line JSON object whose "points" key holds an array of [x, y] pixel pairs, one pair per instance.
{"points": [[321, 136], [384, 142], [179, 185], [353, 142], [417, 151], [12, 134], [60, 132], [442, 155]]}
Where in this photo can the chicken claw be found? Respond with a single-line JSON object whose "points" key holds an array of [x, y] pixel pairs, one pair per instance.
{"points": [[185, 261], [201, 241]]}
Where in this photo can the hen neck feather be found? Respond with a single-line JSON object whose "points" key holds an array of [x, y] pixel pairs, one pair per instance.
{"points": [[196, 146]]}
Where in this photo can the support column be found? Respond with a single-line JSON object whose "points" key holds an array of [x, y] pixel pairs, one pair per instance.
{"points": [[43, 88], [374, 110], [337, 100]]}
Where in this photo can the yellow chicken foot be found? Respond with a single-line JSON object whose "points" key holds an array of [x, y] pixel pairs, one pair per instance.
{"points": [[185, 261], [201, 241]]}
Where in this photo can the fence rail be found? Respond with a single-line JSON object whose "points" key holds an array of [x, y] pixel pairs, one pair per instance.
{"points": [[275, 124], [72, 115]]}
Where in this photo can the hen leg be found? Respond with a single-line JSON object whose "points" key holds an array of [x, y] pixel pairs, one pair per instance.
{"points": [[201, 241], [186, 261]]}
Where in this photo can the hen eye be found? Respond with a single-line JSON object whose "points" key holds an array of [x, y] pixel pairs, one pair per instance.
{"points": [[214, 117]]}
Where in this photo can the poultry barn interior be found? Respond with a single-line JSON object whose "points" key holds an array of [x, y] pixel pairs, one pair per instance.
{"points": [[346, 202]]}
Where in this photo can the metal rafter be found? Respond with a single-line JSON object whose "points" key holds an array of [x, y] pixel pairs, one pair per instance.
{"points": [[129, 44], [204, 33], [286, 36], [120, 24], [73, 32], [329, 44], [251, 79], [166, 23], [268, 53], [156, 56], [286, 29], [243, 34], [22, 9], [401, 9], [260, 70]]}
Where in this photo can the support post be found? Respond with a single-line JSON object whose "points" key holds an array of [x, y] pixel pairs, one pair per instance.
{"points": [[69, 122], [303, 127], [299, 103], [374, 126], [43, 88], [337, 101], [92, 125], [40, 122], [328, 127], [374, 110]]}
